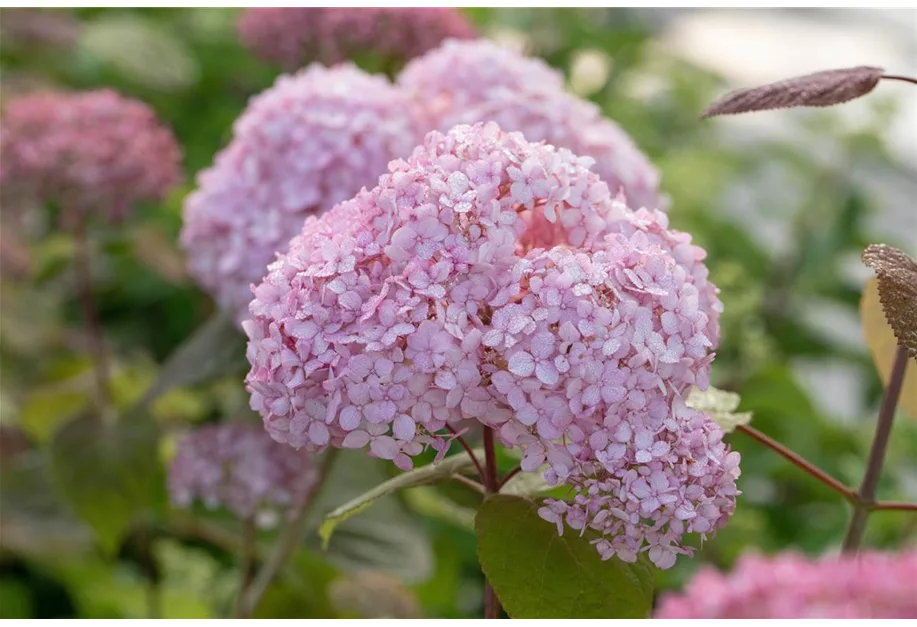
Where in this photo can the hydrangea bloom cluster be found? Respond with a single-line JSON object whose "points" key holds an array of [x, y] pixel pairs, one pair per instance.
{"points": [[312, 140], [294, 36], [463, 82], [238, 467], [90, 151], [788, 585], [490, 278]]}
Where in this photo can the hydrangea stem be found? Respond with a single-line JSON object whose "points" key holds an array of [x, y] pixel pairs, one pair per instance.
{"points": [[468, 449], [492, 486], [867, 492], [799, 461], [90, 319], [249, 532], [291, 536], [512, 473]]}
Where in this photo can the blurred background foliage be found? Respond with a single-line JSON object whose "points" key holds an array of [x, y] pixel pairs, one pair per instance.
{"points": [[790, 296]]}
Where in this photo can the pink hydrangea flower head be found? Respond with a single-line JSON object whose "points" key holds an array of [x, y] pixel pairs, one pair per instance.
{"points": [[91, 151], [310, 141], [237, 466], [39, 30], [488, 278], [463, 82], [368, 331], [653, 225], [790, 585], [292, 37]]}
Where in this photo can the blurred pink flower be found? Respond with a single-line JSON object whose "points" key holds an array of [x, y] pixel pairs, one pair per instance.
{"points": [[463, 82], [93, 151], [789, 585], [310, 141], [239, 467], [292, 37]]}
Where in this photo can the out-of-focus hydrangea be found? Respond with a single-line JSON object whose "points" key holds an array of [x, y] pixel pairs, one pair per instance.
{"points": [[91, 151], [495, 279], [788, 585], [38, 30], [463, 82], [294, 36], [312, 140], [238, 467]]}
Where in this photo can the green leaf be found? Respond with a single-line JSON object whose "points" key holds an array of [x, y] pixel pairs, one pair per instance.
{"points": [[15, 600], [721, 405], [428, 501], [534, 484], [386, 538], [215, 349], [301, 590], [425, 475], [539, 574], [106, 472], [43, 411], [140, 50]]}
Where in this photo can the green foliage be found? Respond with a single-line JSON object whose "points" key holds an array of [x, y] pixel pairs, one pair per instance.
{"points": [[538, 574], [385, 537], [106, 472], [301, 590]]}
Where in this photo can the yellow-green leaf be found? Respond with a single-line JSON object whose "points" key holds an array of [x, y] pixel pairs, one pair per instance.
{"points": [[882, 345], [720, 405]]}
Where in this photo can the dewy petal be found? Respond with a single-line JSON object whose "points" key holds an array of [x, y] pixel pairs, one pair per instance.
{"points": [[521, 364]]}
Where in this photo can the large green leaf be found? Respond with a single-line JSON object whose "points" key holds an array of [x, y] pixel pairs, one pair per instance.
{"points": [[432, 473], [106, 472], [539, 574], [216, 349]]}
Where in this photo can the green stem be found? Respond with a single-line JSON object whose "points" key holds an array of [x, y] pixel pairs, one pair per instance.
{"points": [[94, 334], [249, 535], [291, 536]]}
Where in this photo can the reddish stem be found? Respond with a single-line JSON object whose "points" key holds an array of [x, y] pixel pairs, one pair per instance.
{"points": [[890, 506], [492, 486], [512, 473], [867, 493], [474, 458], [800, 462], [896, 77], [94, 334]]}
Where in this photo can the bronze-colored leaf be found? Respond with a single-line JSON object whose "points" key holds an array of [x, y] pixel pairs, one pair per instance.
{"points": [[821, 89], [897, 275]]}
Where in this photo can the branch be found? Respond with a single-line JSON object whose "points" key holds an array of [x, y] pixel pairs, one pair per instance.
{"points": [[512, 473], [800, 462], [491, 602], [94, 334], [248, 561], [895, 77], [290, 538], [891, 506], [867, 493], [474, 458]]}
